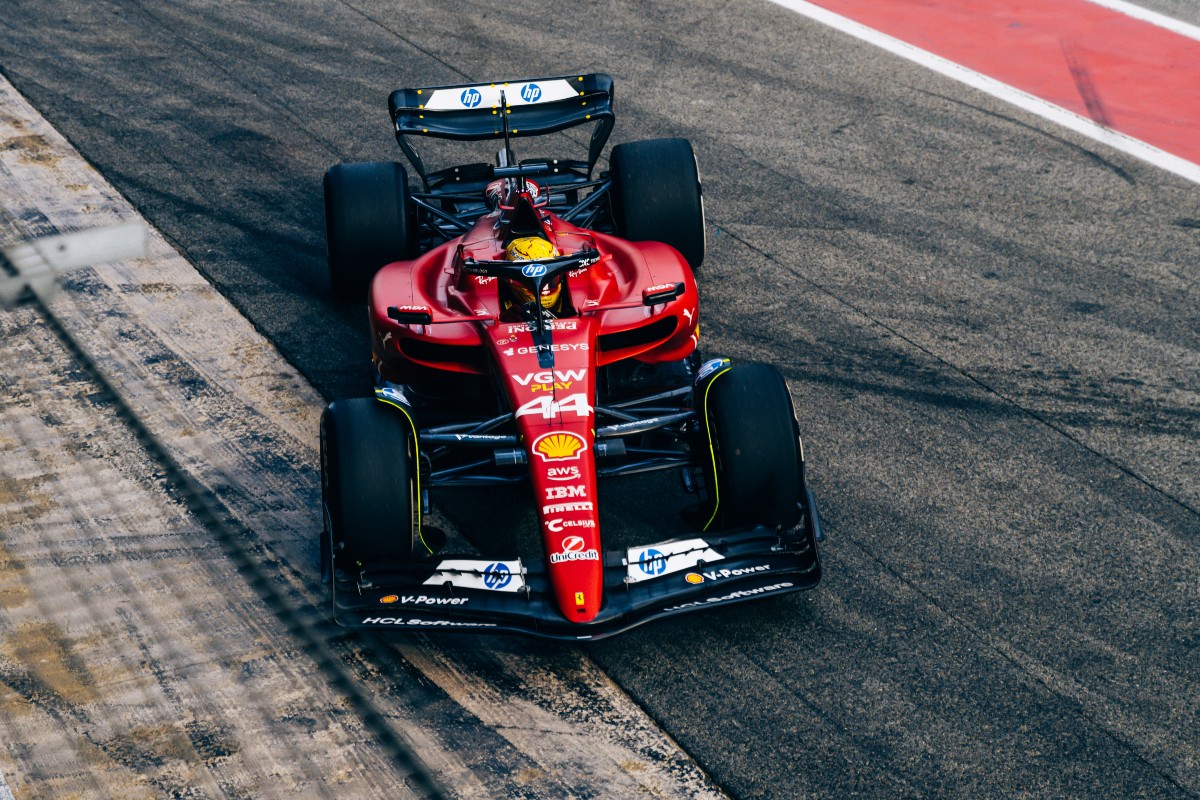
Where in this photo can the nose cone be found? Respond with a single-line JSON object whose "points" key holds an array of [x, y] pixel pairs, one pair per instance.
{"points": [[577, 573]]}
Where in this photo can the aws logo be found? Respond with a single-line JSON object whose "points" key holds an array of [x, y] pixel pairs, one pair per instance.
{"points": [[563, 473]]}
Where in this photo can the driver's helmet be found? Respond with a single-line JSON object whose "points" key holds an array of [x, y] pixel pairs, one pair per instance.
{"points": [[534, 248]]}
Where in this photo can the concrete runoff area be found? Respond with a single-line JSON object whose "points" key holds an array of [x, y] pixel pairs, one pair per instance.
{"points": [[136, 660]]}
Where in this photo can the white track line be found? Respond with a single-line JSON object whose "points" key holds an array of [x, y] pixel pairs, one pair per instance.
{"points": [[1002, 91], [1153, 17]]}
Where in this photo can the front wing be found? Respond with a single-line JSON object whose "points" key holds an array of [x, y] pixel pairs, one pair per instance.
{"points": [[640, 584]]}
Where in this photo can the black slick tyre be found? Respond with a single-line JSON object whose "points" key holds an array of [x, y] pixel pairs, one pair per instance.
{"points": [[367, 224], [369, 485], [749, 449], [657, 195]]}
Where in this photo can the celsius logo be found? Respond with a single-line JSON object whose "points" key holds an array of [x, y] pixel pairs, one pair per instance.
{"points": [[471, 98], [534, 270], [530, 92], [653, 562], [557, 525], [496, 576]]}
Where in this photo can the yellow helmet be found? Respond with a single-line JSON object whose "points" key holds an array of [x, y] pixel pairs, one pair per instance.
{"points": [[534, 248], [530, 248]]}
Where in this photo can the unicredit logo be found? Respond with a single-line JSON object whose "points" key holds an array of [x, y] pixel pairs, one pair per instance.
{"points": [[572, 544]]}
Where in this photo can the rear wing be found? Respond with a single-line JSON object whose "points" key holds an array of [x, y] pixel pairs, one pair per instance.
{"points": [[531, 107]]}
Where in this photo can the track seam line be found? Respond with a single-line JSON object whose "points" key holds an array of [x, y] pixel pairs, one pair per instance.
{"points": [[1032, 414], [1019, 664], [987, 641]]}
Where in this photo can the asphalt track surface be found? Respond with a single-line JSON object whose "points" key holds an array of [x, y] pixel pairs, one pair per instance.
{"points": [[989, 326]]}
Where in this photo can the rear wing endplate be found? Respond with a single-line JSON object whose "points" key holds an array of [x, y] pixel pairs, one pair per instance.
{"points": [[476, 112]]}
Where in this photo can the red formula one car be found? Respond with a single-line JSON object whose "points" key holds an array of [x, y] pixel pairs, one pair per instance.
{"points": [[533, 324]]}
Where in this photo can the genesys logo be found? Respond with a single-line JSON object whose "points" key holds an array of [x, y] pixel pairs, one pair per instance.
{"points": [[554, 348], [563, 473], [563, 492], [559, 446], [563, 508], [573, 549], [558, 525]]}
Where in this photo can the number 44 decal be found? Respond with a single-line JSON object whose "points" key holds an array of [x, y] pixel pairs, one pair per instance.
{"points": [[548, 408]]}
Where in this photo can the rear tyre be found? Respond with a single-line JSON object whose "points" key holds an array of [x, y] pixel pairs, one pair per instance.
{"points": [[749, 449], [657, 196], [369, 484], [367, 224]]}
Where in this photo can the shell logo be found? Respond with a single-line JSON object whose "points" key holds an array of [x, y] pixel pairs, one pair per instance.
{"points": [[559, 446], [693, 578]]}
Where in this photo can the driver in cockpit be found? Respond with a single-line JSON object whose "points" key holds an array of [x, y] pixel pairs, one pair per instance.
{"points": [[516, 295]]}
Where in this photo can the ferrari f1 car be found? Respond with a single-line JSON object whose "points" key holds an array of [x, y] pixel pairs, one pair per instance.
{"points": [[534, 322]]}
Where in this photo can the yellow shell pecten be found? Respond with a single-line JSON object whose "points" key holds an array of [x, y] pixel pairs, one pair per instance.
{"points": [[559, 445]]}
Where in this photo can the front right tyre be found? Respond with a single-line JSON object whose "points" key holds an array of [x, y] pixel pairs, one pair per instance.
{"points": [[369, 485]]}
